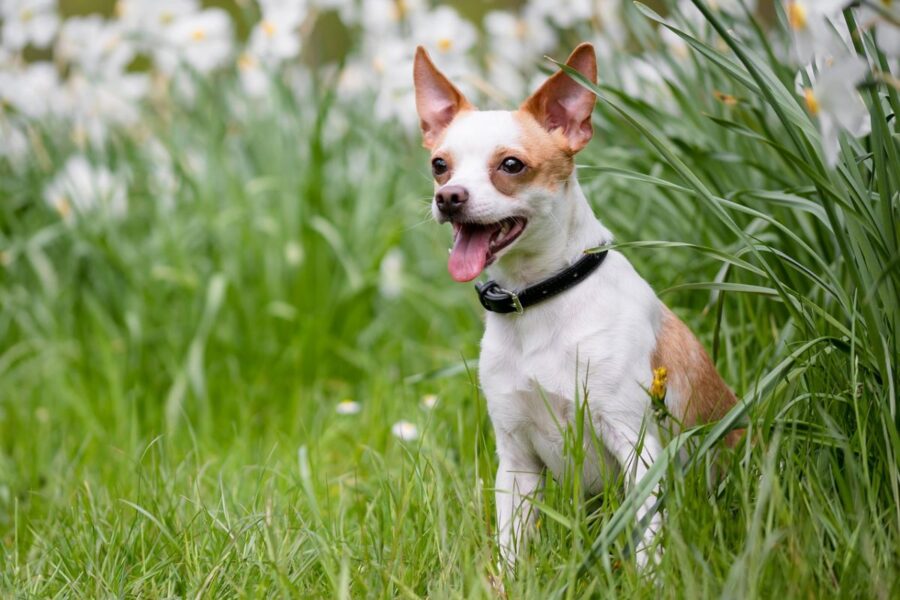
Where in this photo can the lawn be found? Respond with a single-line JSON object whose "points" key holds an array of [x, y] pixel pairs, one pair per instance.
{"points": [[233, 364]]}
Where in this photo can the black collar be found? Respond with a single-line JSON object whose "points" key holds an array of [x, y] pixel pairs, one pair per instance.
{"points": [[498, 300]]}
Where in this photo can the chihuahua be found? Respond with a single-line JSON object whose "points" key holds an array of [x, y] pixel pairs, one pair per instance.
{"points": [[563, 327]]}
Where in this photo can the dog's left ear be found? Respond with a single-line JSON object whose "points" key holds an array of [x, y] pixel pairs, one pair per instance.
{"points": [[562, 103], [437, 100]]}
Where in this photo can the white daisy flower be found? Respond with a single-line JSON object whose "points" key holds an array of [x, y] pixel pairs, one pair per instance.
{"points": [[14, 146], [809, 24], [202, 41], [33, 90], [390, 280], [446, 35], [517, 43], [28, 22], [887, 31], [405, 431], [836, 103], [384, 17], [81, 188], [95, 105], [96, 46], [348, 407], [275, 38], [565, 13], [429, 401]]}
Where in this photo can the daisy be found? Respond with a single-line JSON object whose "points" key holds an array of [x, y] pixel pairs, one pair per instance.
{"points": [[97, 105], [887, 30], [275, 38], [446, 35], [348, 407], [835, 103], [202, 41], [28, 22], [809, 23], [405, 431], [390, 280], [516, 44], [81, 188], [96, 46], [33, 90]]}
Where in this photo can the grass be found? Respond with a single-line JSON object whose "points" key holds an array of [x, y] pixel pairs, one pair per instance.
{"points": [[168, 383]]}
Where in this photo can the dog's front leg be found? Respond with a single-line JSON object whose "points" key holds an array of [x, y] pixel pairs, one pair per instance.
{"points": [[519, 477], [635, 452]]}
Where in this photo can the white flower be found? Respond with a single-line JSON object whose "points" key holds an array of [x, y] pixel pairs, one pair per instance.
{"points": [[516, 45], [293, 253], [809, 22], [390, 281], [519, 40], [405, 430], [253, 75], [33, 91], [94, 105], [835, 102], [384, 17], [14, 145], [202, 41], [150, 20], [887, 31], [275, 38], [564, 13], [81, 188], [429, 401], [163, 180], [389, 64], [97, 46], [348, 407], [445, 34], [28, 22]]}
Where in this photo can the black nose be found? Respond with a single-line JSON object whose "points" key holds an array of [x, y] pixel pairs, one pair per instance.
{"points": [[450, 199]]}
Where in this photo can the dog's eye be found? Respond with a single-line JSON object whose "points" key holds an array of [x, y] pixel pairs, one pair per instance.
{"points": [[512, 165], [438, 166]]}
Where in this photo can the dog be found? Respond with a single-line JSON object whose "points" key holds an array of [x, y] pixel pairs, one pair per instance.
{"points": [[562, 326]]}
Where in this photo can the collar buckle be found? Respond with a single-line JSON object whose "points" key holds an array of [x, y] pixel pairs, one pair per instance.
{"points": [[497, 299], [516, 302]]}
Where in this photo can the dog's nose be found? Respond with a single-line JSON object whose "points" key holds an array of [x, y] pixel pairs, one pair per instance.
{"points": [[451, 198]]}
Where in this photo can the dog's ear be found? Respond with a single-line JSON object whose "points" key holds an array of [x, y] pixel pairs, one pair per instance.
{"points": [[562, 103], [437, 100]]}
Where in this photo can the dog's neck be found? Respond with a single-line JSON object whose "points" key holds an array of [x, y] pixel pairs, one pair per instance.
{"points": [[554, 244]]}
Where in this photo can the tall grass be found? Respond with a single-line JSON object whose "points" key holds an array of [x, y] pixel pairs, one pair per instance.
{"points": [[168, 381]]}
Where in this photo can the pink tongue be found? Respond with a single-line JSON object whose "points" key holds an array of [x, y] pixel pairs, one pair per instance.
{"points": [[470, 252]]}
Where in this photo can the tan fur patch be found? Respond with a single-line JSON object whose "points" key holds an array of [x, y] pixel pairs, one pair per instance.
{"points": [[704, 396], [548, 161]]}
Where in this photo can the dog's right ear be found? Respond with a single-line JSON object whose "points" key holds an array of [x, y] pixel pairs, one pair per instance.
{"points": [[562, 103], [437, 100]]}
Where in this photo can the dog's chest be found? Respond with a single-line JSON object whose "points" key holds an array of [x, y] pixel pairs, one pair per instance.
{"points": [[533, 376]]}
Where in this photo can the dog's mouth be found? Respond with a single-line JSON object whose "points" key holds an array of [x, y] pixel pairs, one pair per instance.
{"points": [[476, 245]]}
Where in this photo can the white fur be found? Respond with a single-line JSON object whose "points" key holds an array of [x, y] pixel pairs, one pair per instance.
{"points": [[597, 336]]}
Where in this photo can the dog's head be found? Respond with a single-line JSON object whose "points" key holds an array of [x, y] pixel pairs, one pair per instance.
{"points": [[498, 174]]}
